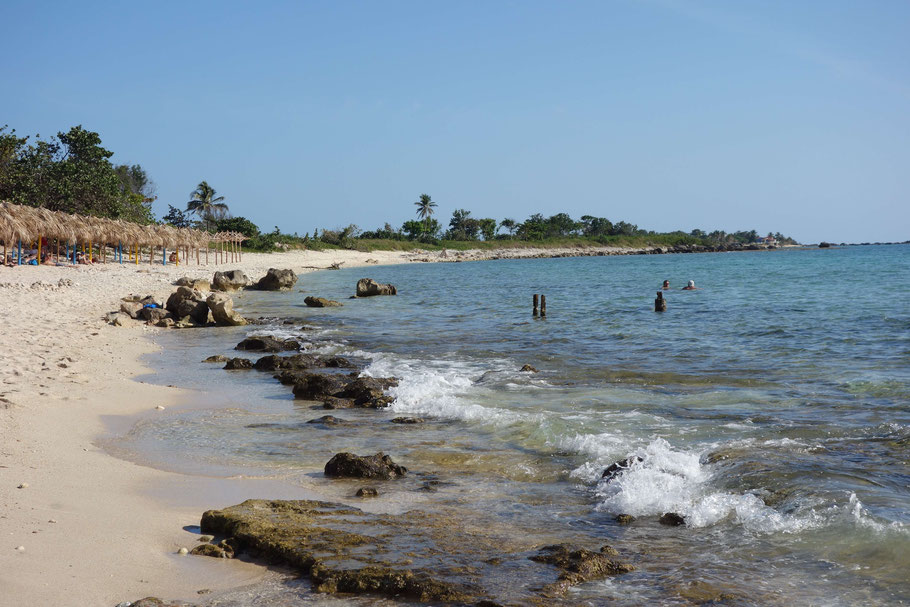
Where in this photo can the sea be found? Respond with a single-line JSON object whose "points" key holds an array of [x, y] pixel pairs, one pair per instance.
{"points": [[770, 408]]}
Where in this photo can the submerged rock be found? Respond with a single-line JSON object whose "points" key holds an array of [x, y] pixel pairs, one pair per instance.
{"points": [[267, 344], [217, 358], [371, 466], [528, 369], [368, 492], [367, 287], [321, 302], [277, 280], [329, 420], [577, 565], [625, 519], [220, 552], [303, 534], [408, 420]]}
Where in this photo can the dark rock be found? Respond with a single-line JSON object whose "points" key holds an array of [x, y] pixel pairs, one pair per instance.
{"points": [[238, 363], [154, 315], [824, 245], [333, 402], [349, 465], [314, 386], [188, 302], [274, 362], [277, 280], [528, 369], [368, 492], [613, 470], [329, 420], [217, 358], [222, 308], [267, 344], [577, 565], [672, 519], [151, 601], [385, 581], [625, 519], [321, 302], [165, 323], [368, 391], [408, 420], [231, 280], [367, 287], [336, 362]]}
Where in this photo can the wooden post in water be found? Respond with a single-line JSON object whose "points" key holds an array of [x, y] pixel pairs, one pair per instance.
{"points": [[660, 304], [536, 296], [543, 305]]}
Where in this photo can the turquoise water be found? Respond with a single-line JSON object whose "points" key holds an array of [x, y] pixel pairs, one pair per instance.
{"points": [[769, 407]]}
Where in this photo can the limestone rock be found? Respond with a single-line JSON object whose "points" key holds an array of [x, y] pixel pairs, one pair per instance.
{"points": [[577, 565], [231, 280], [132, 308], [119, 319], [155, 315], [672, 519], [222, 308], [367, 287], [200, 284], [368, 492], [165, 323], [378, 466], [625, 519], [321, 302], [614, 469], [188, 302], [277, 280], [217, 358]]}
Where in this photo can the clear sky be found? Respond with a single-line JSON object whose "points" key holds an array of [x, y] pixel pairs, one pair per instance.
{"points": [[784, 116]]}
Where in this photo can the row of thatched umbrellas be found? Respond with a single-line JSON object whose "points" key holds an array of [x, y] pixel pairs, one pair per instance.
{"points": [[23, 224]]}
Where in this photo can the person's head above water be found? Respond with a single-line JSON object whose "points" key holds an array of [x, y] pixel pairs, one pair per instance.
{"points": [[690, 287], [666, 284], [691, 283]]}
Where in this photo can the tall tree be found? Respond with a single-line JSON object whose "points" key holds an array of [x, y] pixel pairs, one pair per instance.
{"points": [[509, 224], [425, 206], [206, 205]]}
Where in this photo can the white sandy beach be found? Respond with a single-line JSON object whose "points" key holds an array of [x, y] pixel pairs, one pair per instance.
{"points": [[87, 528]]}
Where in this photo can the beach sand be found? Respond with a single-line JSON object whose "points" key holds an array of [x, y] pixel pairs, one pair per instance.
{"points": [[86, 528]]}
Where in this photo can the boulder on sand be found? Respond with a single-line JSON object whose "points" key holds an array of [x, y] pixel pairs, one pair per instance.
{"points": [[230, 280], [188, 302], [222, 308], [155, 315], [200, 284], [370, 466], [277, 280], [321, 302], [367, 287], [133, 308]]}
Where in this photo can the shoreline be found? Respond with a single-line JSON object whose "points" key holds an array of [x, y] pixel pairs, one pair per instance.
{"points": [[118, 524], [93, 528]]}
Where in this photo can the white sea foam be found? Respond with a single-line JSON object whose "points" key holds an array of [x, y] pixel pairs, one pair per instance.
{"points": [[441, 389], [671, 480]]}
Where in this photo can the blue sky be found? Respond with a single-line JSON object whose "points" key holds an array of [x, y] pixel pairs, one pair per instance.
{"points": [[784, 116]]}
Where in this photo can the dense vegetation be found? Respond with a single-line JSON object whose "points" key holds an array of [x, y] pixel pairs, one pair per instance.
{"points": [[71, 172]]}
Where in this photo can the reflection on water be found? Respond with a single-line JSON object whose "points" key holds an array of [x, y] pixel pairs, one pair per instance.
{"points": [[770, 416]]}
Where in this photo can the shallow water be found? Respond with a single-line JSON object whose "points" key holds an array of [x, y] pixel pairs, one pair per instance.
{"points": [[770, 408]]}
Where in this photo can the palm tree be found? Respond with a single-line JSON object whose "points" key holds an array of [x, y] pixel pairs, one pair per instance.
{"points": [[206, 205], [425, 208]]}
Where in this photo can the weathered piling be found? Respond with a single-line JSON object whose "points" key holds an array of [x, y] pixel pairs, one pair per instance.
{"points": [[535, 304], [660, 304], [543, 304]]}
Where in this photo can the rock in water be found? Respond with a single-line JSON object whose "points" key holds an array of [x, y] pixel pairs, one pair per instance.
{"points": [[238, 363], [230, 280], [188, 302], [371, 466], [217, 358], [277, 280], [613, 470], [578, 565], [267, 344], [367, 287], [222, 308], [528, 369], [321, 302], [672, 519], [367, 492]]}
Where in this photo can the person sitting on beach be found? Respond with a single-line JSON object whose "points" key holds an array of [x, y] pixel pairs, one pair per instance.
{"points": [[666, 285], [173, 257], [690, 287], [82, 258]]}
